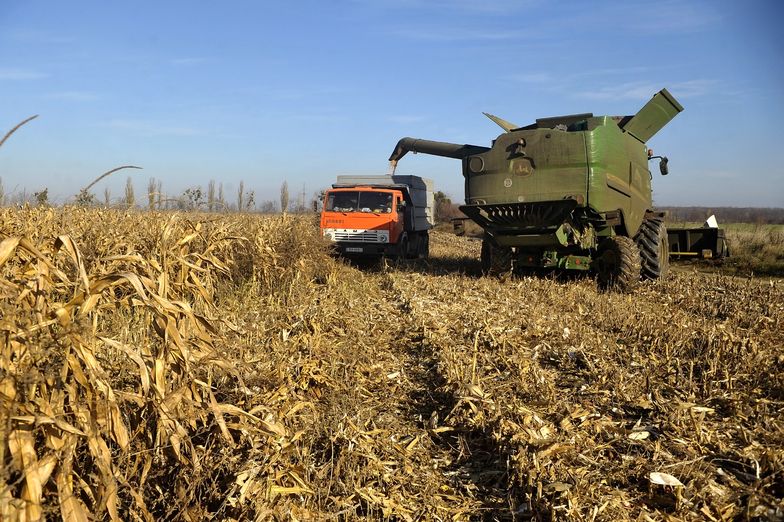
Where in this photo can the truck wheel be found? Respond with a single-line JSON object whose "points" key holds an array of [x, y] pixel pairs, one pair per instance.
{"points": [[617, 264], [495, 260], [402, 247], [654, 248], [414, 246], [424, 246]]}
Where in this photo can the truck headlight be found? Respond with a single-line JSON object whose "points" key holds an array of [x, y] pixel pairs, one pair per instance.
{"points": [[329, 233]]}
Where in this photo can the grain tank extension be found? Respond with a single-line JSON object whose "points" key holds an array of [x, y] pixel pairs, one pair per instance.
{"points": [[568, 192]]}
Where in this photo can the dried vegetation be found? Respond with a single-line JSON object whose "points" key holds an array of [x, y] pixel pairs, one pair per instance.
{"points": [[158, 366]]}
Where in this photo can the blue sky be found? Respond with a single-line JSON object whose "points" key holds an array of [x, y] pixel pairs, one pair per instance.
{"points": [[303, 91]]}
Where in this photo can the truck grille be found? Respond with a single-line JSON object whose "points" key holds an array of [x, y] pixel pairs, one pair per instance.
{"points": [[361, 236]]}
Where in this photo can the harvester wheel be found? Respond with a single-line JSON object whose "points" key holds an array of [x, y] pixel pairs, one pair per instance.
{"points": [[495, 260], [654, 248], [617, 264]]}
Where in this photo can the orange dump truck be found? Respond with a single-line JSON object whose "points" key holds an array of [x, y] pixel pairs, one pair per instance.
{"points": [[374, 216]]}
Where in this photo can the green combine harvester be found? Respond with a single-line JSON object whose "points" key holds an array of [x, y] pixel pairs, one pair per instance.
{"points": [[568, 192]]}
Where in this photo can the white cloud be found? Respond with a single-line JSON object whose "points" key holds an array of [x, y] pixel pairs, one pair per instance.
{"points": [[77, 96], [21, 74], [645, 17], [39, 37], [542, 77], [538, 77], [150, 128], [644, 90], [193, 60], [451, 6], [692, 88], [457, 34], [406, 119]]}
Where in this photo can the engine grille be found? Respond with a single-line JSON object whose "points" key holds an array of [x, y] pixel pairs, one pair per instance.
{"points": [[361, 236], [513, 217]]}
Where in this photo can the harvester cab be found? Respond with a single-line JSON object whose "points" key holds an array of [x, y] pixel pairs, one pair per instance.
{"points": [[568, 191]]}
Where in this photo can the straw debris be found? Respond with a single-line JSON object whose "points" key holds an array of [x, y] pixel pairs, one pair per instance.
{"points": [[184, 366]]}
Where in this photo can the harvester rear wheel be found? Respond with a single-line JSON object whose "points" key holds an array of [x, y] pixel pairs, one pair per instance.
{"points": [[654, 248], [617, 264], [495, 260]]}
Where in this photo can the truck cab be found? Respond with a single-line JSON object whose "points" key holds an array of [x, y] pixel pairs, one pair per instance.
{"points": [[377, 216]]}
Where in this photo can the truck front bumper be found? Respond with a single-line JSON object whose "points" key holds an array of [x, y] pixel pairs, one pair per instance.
{"points": [[361, 249]]}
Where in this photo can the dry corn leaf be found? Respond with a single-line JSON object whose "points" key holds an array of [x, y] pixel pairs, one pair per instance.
{"points": [[664, 479]]}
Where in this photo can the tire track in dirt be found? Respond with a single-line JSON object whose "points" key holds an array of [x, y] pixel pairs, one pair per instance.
{"points": [[604, 361], [466, 458], [403, 424]]}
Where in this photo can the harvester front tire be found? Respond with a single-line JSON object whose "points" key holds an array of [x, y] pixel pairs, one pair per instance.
{"points": [[495, 260], [618, 264], [654, 248]]}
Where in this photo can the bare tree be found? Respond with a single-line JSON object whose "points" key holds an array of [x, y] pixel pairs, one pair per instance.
{"points": [[85, 198], [42, 197], [300, 208], [193, 198], [220, 197], [130, 197], [107, 197], [151, 193], [211, 195], [159, 194], [240, 197], [2, 193], [317, 201], [284, 196]]}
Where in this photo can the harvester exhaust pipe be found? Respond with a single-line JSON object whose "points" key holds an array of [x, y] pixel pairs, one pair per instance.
{"points": [[436, 148]]}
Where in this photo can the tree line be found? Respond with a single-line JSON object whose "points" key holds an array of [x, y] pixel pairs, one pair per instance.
{"points": [[212, 198], [761, 216]]}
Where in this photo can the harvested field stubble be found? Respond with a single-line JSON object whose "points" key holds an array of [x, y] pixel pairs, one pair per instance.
{"points": [[160, 366]]}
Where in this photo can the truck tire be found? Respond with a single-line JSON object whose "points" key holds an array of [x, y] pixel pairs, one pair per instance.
{"points": [[654, 248], [424, 246], [617, 264], [402, 247], [495, 260], [414, 246]]}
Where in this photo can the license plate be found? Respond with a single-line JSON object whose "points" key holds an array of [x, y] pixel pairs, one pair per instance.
{"points": [[354, 249]]}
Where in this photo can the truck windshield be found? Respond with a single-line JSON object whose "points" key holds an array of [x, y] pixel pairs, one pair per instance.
{"points": [[359, 201]]}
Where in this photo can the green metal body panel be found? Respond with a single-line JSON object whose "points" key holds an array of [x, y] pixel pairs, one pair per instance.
{"points": [[656, 114], [562, 183]]}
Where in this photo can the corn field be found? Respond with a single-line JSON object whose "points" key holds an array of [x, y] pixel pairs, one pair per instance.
{"points": [[158, 366]]}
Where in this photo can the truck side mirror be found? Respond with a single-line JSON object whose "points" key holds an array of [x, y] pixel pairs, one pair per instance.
{"points": [[663, 166]]}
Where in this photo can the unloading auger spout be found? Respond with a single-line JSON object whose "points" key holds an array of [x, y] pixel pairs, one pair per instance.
{"points": [[435, 148]]}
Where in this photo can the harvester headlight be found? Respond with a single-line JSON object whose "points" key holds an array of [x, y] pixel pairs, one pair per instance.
{"points": [[329, 233]]}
